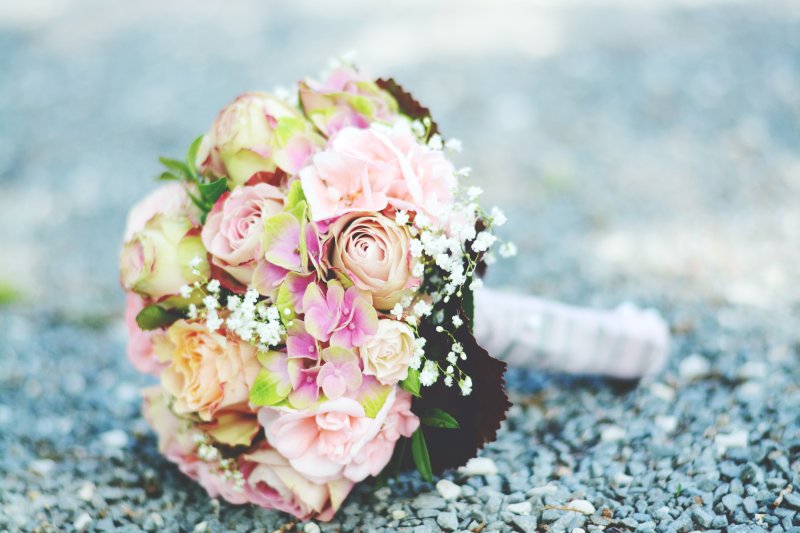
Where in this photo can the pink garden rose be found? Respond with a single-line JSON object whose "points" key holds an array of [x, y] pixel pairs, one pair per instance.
{"points": [[376, 454], [321, 441], [274, 483], [141, 344], [168, 199], [208, 371], [373, 251], [346, 98], [377, 168], [155, 261], [234, 228], [255, 133]]}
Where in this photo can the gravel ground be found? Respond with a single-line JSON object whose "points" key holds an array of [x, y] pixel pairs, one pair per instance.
{"points": [[645, 153]]}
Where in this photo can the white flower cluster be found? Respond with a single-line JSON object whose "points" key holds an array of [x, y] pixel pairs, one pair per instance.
{"points": [[255, 322]]}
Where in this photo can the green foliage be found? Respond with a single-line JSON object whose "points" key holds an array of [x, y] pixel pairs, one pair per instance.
{"points": [[439, 418], [419, 452], [156, 316], [411, 383]]}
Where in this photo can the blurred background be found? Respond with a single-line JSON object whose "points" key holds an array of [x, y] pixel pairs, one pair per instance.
{"points": [[642, 150]]}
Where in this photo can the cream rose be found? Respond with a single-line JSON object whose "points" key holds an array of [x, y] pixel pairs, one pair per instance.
{"points": [[155, 261], [208, 371], [373, 251], [386, 355]]}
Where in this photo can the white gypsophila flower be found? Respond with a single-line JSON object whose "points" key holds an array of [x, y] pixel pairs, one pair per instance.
{"points": [[422, 220], [458, 347], [192, 312], [397, 311], [457, 322], [211, 302], [474, 192], [401, 218], [498, 217], [195, 262], [429, 374], [412, 321], [454, 145], [417, 128], [435, 142], [415, 248], [464, 172], [418, 270], [422, 308], [213, 286], [508, 249], [186, 291], [465, 385], [449, 370], [452, 358], [489, 258], [476, 284], [483, 241], [415, 362], [448, 381]]}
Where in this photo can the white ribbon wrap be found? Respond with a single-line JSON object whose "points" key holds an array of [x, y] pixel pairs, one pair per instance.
{"points": [[529, 332]]}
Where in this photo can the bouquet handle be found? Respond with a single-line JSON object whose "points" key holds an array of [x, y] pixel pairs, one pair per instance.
{"points": [[538, 334]]}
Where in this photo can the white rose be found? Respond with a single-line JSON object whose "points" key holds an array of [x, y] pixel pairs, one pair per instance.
{"points": [[388, 353]]}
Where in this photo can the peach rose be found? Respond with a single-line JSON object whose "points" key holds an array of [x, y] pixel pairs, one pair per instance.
{"points": [[257, 132], [208, 371], [234, 228], [386, 354], [376, 168], [155, 261], [321, 441], [373, 251]]}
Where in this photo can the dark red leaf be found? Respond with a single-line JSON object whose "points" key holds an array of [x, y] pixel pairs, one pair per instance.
{"points": [[409, 105]]}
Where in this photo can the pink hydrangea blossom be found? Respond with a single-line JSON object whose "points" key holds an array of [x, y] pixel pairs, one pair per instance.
{"points": [[346, 318], [378, 168]]}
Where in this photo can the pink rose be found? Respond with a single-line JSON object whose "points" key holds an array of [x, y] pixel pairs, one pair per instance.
{"points": [[141, 350], [235, 226], [346, 98], [272, 482], [154, 262], [321, 441], [376, 454], [168, 199], [373, 251], [208, 372], [255, 133], [377, 168]]}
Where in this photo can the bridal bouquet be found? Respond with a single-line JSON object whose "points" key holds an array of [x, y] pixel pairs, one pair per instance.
{"points": [[302, 285]]}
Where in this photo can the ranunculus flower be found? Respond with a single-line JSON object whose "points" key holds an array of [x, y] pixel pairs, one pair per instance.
{"points": [[373, 251], [376, 454], [155, 261], [142, 351], [387, 354], [346, 98], [372, 169], [257, 132], [322, 440], [234, 228], [274, 483], [208, 371]]}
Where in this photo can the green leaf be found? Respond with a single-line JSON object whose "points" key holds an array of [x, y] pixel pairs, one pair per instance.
{"points": [[178, 168], [210, 192], [411, 383], [269, 388], [167, 176], [155, 316], [191, 156], [284, 302], [419, 451], [294, 196], [438, 418]]}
